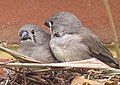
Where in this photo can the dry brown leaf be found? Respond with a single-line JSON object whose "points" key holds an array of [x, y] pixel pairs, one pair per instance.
{"points": [[2, 72], [108, 82], [82, 81], [111, 83]]}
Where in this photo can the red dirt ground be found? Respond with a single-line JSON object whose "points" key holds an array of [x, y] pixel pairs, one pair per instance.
{"points": [[15, 13]]}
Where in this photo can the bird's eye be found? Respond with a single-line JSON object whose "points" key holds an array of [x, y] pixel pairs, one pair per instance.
{"points": [[51, 22], [32, 31]]}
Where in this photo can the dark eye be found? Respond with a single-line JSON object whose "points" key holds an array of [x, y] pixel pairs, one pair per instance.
{"points": [[32, 31], [51, 22]]}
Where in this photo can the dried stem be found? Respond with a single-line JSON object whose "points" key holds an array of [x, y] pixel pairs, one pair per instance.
{"points": [[112, 26]]}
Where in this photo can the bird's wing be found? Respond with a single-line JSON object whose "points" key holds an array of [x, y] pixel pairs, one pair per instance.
{"points": [[95, 45], [97, 50]]}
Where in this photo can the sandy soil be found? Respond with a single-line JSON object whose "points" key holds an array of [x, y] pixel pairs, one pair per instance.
{"points": [[15, 13]]}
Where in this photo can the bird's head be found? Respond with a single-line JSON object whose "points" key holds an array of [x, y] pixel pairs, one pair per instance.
{"points": [[33, 33], [61, 23]]}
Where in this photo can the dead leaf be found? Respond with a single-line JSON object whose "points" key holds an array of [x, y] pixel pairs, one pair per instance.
{"points": [[2, 72], [82, 81], [111, 83]]}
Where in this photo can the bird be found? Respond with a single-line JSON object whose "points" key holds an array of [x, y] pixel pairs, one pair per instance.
{"points": [[72, 41], [34, 42]]}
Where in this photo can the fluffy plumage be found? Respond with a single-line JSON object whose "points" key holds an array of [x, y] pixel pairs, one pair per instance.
{"points": [[34, 42], [71, 41]]}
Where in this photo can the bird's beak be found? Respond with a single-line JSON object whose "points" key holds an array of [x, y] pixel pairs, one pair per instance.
{"points": [[48, 24], [24, 35]]}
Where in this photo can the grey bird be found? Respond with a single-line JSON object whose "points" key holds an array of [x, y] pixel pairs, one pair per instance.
{"points": [[34, 42], [71, 41]]}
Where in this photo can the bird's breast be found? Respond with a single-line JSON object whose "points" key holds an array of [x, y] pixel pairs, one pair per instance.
{"points": [[63, 48]]}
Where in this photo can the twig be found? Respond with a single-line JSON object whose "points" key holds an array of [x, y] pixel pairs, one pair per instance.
{"points": [[14, 83], [9, 61], [14, 70], [22, 75], [46, 70], [25, 79], [89, 63], [112, 26], [14, 78]]}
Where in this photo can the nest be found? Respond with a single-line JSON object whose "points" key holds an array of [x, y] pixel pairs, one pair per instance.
{"points": [[27, 71], [29, 77]]}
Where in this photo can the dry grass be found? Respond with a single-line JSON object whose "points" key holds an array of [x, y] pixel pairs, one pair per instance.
{"points": [[112, 50], [5, 56]]}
